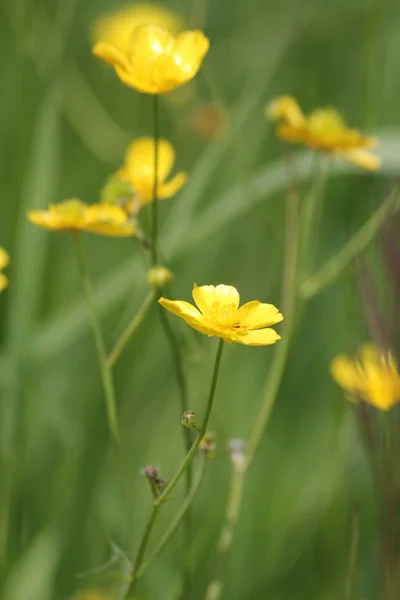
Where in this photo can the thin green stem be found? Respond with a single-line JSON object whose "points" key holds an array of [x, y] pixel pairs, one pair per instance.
{"points": [[168, 489], [185, 464], [297, 258], [165, 539], [336, 265], [234, 502], [353, 553], [130, 330], [106, 375], [154, 204]]}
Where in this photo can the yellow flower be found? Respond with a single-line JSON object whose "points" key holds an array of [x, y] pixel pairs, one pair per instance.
{"points": [[75, 215], [4, 260], [155, 62], [138, 169], [373, 377], [116, 28], [324, 129], [218, 314]]}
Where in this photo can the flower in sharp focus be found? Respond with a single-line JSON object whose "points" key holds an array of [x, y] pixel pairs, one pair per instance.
{"points": [[115, 28], [74, 215], [372, 377], [4, 260], [139, 169], [324, 129], [154, 61], [218, 314]]}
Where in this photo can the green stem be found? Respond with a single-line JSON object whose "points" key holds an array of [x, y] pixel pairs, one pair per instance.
{"points": [[168, 489], [336, 265], [106, 375], [297, 257], [154, 204], [234, 502], [353, 552], [175, 523], [185, 464], [130, 330]]}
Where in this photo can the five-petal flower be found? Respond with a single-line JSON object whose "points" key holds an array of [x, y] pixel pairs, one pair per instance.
{"points": [[373, 377], [218, 314], [156, 62], [324, 129], [75, 215]]}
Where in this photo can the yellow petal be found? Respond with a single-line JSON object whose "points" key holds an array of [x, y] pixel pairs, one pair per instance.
{"points": [[255, 315], [140, 165], [116, 27], [206, 296], [346, 374], [109, 219], [50, 220], [363, 159], [151, 47], [259, 337], [170, 188], [188, 52], [110, 54], [3, 281], [4, 258], [285, 108], [187, 312]]}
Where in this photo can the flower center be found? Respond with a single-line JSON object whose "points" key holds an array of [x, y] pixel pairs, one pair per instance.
{"points": [[224, 313], [326, 122], [71, 209]]}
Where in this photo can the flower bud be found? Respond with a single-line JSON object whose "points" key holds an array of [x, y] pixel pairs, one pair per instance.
{"points": [[208, 445], [236, 450], [189, 419], [116, 191], [157, 484], [159, 277]]}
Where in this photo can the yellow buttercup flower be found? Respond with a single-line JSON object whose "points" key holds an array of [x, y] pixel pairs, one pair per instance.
{"points": [[373, 377], [324, 129], [115, 28], [139, 167], [4, 260], [155, 62], [218, 314], [75, 215]]}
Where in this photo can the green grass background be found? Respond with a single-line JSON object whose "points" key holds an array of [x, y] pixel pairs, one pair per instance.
{"points": [[65, 120]]}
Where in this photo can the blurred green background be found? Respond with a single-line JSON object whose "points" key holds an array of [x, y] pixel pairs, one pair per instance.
{"points": [[65, 121]]}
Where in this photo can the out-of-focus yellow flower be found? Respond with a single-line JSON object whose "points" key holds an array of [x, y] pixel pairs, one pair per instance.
{"points": [[4, 260], [139, 168], [324, 129], [218, 314], [75, 215], [155, 62], [116, 27], [373, 377]]}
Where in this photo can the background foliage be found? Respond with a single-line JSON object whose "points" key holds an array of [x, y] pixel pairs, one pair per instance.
{"points": [[65, 121]]}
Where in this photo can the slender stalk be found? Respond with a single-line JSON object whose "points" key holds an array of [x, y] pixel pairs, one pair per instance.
{"points": [[298, 250], [154, 204], [130, 330], [175, 523], [106, 375], [185, 464], [336, 265], [235, 494], [168, 489], [353, 552], [176, 355]]}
